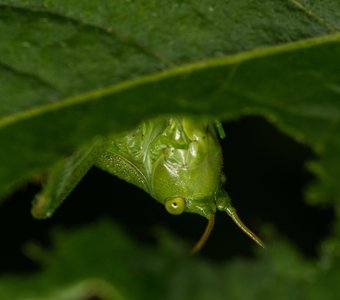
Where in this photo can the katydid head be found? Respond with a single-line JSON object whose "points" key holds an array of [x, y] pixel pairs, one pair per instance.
{"points": [[199, 191]]}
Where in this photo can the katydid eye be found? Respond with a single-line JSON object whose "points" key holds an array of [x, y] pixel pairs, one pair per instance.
{"points": [[175, 206]]}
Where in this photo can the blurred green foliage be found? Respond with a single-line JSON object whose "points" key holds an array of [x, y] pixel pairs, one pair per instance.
{"points": [[101, 260]]}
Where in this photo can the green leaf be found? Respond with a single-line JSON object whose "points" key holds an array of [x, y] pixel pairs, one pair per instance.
{"points": [[99, 259], [224, 87], [73, 69], [102, 261]]}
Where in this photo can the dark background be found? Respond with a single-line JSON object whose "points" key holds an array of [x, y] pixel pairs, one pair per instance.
{"points": [[266, 180]]}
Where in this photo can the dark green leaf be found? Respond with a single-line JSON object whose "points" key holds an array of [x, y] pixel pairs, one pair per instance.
{"points": [[301, 99]]}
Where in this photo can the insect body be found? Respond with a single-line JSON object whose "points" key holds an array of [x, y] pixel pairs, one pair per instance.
{"points": [[178, 161]]}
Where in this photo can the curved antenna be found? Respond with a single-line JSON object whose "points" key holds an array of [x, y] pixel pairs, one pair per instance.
{"points": [[233, 214], [198, 246]]}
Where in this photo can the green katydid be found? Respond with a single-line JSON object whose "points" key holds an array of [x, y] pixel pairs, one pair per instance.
{"points": [[177, 160]]}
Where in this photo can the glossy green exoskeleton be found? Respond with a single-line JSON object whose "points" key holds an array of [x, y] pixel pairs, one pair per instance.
{"points": [[178, 161]]}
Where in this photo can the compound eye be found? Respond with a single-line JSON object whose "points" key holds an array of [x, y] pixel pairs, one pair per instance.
{"points": [[175, 206]]}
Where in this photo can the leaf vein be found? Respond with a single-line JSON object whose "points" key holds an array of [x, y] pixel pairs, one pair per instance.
{"points": [[321, 20], [30, 75]]}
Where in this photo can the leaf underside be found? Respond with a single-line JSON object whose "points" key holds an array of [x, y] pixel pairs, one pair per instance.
{"points": [[81, 68]]}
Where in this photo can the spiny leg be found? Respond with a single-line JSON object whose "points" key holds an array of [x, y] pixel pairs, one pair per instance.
{"points": [[219, 129], [62, 179]]}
